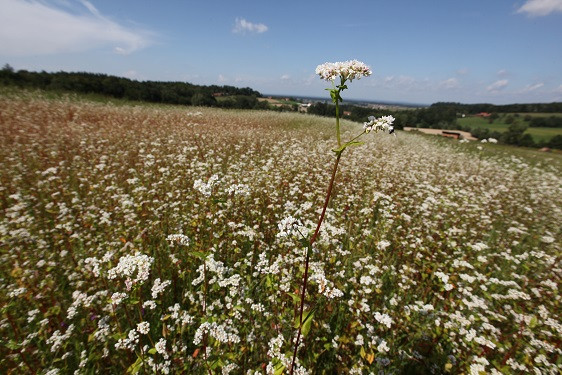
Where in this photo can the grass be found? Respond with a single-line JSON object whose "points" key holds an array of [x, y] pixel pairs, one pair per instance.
{"points": [[436, 256]]}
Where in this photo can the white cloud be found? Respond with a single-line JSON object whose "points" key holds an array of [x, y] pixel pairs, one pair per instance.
{"points": [[241, 26], [30, 28], [534, 87], [540, 7], [498, 85], [450, 83], [400, 81], [222, 78], [502, 73], [285, 77]]}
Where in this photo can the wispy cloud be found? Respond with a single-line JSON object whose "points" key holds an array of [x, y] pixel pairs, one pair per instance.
{"points": [[451, 83], [540, 7], [241, 26], [530, 88], [30, 28], [498, 85], [503, 73]]}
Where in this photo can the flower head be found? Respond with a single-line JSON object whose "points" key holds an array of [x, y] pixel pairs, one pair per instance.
{"points": [[347, 70], [383, 123]]}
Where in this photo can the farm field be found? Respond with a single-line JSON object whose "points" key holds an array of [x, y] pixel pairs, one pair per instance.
{"points": [[154, 239], [538, 134]]}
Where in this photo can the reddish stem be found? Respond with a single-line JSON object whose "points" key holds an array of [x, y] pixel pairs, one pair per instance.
{"points": [[312, 241]]}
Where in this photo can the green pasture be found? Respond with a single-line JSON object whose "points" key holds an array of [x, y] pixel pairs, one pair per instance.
{"points": [[499, 125]]}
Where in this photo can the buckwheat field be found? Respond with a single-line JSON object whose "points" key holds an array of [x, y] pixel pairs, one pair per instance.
{"points": [[153, 239]]}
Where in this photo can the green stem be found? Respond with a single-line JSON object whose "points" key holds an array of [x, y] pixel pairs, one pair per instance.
{"points": [[338, 123]]}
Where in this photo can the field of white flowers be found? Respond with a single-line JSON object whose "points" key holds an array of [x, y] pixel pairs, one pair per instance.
{"points": [[150, 239]]}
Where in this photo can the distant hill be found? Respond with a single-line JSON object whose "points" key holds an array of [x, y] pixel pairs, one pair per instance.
{"points": [[125, 88]]}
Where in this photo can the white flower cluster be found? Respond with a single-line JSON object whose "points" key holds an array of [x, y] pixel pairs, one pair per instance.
{"points": [[117, 298], [220, 332], [445, 279], [383, 319], [178, 238], [238, 189], [128, 265], [143, 328], [128, 343], [161, 347], [206, 188], [57, 339], [383, 123], [348, 70], [159, 287], [290, 226]]}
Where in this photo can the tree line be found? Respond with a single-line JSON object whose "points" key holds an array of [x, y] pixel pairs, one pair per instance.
{"points": [[555, 107], [419, 117], [444, 116], [124, 88]]}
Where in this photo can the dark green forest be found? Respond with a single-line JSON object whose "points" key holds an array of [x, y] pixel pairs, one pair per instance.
{"points": [[123, 88]]}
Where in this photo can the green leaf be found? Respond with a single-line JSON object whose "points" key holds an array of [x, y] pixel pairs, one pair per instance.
{"points": [[135, 367], [152, 351], [533, 322], [306, 324], [295, 298], [268, 282], [278, 369], [346, 145], [12, 345], [199, 254]]}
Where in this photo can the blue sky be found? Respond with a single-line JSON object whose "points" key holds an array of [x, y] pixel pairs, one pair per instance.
{"points": [[501, 51]]}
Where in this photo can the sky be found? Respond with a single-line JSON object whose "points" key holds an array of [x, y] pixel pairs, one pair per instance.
{"points": [[500, 51]]}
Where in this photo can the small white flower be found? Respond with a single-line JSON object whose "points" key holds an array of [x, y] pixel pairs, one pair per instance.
{"points": [[117, 298], [382, 347], [159, 287], [178, 238], [161, 346], [143, 328], [547, 239]]}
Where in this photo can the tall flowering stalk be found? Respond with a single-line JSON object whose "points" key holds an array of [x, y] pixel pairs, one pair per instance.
{"points": [[345, 71]]}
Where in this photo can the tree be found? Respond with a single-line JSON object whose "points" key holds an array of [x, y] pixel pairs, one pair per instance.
{"points": [[8, 68], [555, 142], [514, 134], [201, 99]]}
